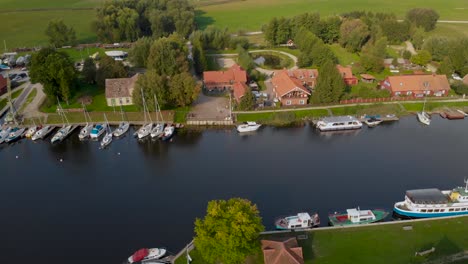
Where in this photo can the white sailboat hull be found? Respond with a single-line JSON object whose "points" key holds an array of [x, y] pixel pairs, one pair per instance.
{"points": [[85, 132], [424, 118], [122, 129], [99, 132], [41, 133], [61, 134], [106, 140], [157, 131], [144, 131]]}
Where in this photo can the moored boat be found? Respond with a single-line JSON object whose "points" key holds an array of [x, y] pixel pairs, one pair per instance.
{"points": [[373, 122], [158, 130], [97, 131], [85, 131], [335, 123], [32, 130], [42, 133], [108, 137], [122, 129], [424, 117], [299, 221], [248, 127], [61, 134], [168, 132], [357, 217], [15, 134], [144, 130], [4, 133], [426, 203], [145, 254]]}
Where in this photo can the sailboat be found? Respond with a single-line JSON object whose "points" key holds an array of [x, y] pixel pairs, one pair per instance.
{"points": [[32, 130], [66, 128], [42, 133], [145, 130], [424, 117], [15, 134], [123, 126], [86, 130], [4, 133], [158, 130], [108, 137]]}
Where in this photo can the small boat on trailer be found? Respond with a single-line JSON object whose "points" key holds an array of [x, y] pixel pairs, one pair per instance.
{"points": [[248, 127], [336, 123], [145, 255], [373, 122], [357, 217], [42, 133], [299, 221]]}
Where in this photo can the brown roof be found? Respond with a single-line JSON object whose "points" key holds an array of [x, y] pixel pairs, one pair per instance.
{"points": [[239, 90], [345, 72], [418, 82], [367, 76], [3, 81], [282, 252], [121, 87], [465, 79], [233, 74], [285, 82]]}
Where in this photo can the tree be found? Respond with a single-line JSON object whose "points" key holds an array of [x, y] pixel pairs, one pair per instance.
{"points": [[167, 56], [151, 83], [55, 71], [247, 102], [229, 231], [183, 89], [395, 31], [330, 85], [422, 58], [437, 46], [89, 71], [406, 55], [283, 32], [373, 54], [60, 34], [108, 69], [446, 67], [353, 34], [199, 59], [418, 38], [244, 59], [270, 31], [139, 52], [330, 29], [423, 17]]}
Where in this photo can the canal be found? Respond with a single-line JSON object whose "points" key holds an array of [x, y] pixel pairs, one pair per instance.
{"points": [[98, 206]]}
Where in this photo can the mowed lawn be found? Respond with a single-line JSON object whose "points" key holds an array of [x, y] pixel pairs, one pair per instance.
{"points": [[252, 14]]}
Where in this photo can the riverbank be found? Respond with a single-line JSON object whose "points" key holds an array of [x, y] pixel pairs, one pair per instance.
{"points": [[376, 243]]}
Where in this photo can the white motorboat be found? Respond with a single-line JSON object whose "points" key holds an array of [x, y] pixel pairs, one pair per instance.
{"points": [[299, 221], [144, 131], [335, 123], [424, 117], [373, 122], [168, 133], [248, 127], [61, 134], [122, 129], [97, 131], [108, 137], [157, 131], [41, 133], [4, 133], [145, 254], [85, 131], [15, 134]]}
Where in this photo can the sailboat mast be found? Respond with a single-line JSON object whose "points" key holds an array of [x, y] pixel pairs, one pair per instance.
{"points": [[63, 113]]}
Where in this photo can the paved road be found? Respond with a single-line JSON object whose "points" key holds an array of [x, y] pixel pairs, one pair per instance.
{"points": [[410, 48]]}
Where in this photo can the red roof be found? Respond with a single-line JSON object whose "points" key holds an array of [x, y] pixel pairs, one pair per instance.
{"points": [[3, 82], [345, 72], [233, 74], [285, 83], [414, 83], [465, 79], [282, 252], [239, 90]]}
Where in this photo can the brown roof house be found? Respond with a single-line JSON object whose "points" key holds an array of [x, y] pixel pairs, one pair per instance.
{"points": [[465, 79], [347, 75], [119, 91], [285, 251], [234, 79], [3, 85], [417, 85], [291, 87]]}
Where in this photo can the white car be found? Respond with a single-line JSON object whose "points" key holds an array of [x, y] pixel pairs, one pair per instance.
{"points": [[457, 77]]}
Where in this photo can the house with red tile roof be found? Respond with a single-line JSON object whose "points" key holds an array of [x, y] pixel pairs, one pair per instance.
{"points": [[291, 87], [465, 79], [3, 85], [417, 85], [286, 251], [347, 75], [119, 91], [234, 79]]}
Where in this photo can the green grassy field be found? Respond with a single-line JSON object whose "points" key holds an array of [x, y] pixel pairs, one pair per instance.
{"points": [[252, 14], [450, 30]]}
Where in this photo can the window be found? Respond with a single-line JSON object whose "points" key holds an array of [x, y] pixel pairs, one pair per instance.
{"points": [[113, 101], [128, 100], [397, 93], [301, 102], [429, 210], [288, 102], [457, 209], [120, 100], [436, 210], [463, 209], [409, 93], [451, 210], [423, 210]]}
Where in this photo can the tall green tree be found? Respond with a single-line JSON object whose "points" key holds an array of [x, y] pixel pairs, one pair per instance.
{"points": [[89, 71], [229, 231], [354, 34], [199, 60], [446, 67], [60, 34], [270, 31], [168, 56], [183, 89], [55, 71], [423, 17], [139, 52], [109, 69], [247, 102], [422, 58], [373, 54], [330, 85], [244, 59], [418, 38], [151, 83]]}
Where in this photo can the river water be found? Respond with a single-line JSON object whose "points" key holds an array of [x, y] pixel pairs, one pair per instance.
{"points": [[98, 206]]}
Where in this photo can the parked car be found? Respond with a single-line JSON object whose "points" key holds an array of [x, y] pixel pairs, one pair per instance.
{"points": [[457, 77]]}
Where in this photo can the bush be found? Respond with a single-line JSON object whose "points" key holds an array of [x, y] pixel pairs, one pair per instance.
{"points": [[460, 88]]}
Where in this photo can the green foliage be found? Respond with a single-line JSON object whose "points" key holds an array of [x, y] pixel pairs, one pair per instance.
{"points": [[229, 231], [128, 20], [423, 17], [108, 69], [183, 89], [89, 71], [168, 56], [373, 54], [244, 59], [353, 34], [199, 60], [213, 38], [422, 58], [367, 90], [437, 46], [330, 85], [313, 50], [139, 52], [406, 55], [445, 67], [55, 71], [418, 38], [460, 88], [395, 31], [60, 34], [247, 102]]}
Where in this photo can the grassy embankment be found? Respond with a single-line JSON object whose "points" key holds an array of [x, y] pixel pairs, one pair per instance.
{"points": [[379, 243]]}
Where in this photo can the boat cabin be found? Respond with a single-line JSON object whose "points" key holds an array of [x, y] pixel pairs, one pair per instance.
{"points": [[357, 216], [302, 220]]}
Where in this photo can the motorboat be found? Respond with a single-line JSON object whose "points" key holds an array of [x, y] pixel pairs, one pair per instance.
{"points": [[42, 133], [4, 133], [15, 134], [145, 254], [357, 217], [299, 221], [157, 131], [373, 122], [61, 134], [248, 127], [168, 133], [97, 131], [122, 129], [144, 130], [335, 123]]}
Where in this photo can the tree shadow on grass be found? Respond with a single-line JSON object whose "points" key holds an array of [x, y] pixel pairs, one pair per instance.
{"points": [[202, 20], [443, 248]]}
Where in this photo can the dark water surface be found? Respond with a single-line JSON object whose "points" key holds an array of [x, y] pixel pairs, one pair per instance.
{"points": [[98, 206]]}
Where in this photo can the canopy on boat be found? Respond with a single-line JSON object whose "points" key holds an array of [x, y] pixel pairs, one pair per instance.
{"points": [[140, 254]]}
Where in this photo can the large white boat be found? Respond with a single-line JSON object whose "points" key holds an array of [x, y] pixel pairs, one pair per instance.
{"points": [[43, 132], [299, 221], [424, 117], [335, 123], [97, 131], [61, 134], [424, 203], [145, 254], [248, 127]]}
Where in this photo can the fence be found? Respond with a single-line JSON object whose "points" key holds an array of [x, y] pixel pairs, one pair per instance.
{"points": [[378, 100], [189, 247]]}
